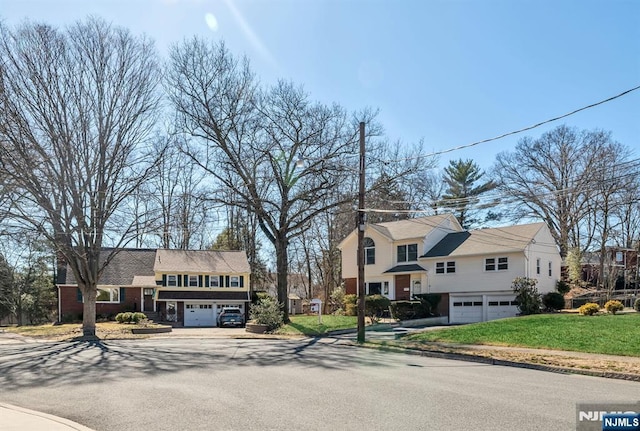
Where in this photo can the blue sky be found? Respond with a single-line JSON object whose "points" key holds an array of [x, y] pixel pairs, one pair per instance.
{"points": [[447, 72]]}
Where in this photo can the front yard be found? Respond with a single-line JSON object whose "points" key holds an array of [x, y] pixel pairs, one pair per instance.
{"points": [[308, 325], [606, 334], [69, 331]]}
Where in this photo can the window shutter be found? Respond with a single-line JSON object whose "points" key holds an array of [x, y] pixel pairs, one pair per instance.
{"points": [[79, 295], [179, 278], [221, 281], [226, 281], [186, 280], [200, 281], [122, 294], [206, 280], [164, 279], [242, 281]]}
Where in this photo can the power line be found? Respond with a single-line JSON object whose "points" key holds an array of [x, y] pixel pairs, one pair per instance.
{"points": [[515, 132]]}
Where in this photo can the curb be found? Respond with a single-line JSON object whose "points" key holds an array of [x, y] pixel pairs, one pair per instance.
{"points": [[502, 362], [62, 422]]}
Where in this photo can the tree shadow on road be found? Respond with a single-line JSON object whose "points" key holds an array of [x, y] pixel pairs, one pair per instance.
{"points": [[78, 362]]}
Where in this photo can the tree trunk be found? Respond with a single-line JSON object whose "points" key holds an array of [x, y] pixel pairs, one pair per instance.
{"points": [[89, 294], [282, 268]]}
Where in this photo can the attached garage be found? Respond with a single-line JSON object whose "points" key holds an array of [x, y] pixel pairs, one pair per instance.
{"points": [[198, 314], [480, 308]]}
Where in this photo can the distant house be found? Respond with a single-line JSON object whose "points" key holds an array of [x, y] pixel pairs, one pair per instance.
{"points": [[188, 287], [471, 270]]}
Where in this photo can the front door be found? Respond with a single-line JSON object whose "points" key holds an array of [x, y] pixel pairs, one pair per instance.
{"points": [[148, 300], [403, 287]]}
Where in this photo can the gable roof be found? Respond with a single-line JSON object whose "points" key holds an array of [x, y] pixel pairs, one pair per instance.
{"points": [[483, 241], [123, 267], [411, 228], [201, 261]]}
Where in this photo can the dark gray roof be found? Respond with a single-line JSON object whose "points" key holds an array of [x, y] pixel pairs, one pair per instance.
{"points": [[447, 244], [405, 268], [202, 294], [125, 265]]}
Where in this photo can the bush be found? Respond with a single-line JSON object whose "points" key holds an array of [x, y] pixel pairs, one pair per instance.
{"points": [[268, 312], [350, 305], [589, 309], [553, 301], [129, 317], [527, 295], [613, 306], [636, 305], [375, 305], [407, 310], [430, 301], [563, 287]]}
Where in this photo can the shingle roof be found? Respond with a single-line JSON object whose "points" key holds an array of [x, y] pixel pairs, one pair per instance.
{"points": [[448, 244], [483, 241], [124, 266], [411, 228], [405, 268], [201, 261]]}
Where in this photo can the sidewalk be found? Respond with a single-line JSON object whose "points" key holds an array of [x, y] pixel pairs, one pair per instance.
{"points": [[14, 418]]}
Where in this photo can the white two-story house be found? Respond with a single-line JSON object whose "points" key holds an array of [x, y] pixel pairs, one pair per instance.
{"points": [[472, 270]]}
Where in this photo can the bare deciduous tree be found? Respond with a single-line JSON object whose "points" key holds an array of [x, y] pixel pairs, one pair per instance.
{"points": [[75, 107], [252, 140]]}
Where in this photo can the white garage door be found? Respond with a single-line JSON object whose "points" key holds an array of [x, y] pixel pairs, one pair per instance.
{"points": [[471, 309], [499, 307], [199, 315], [465, 309]]}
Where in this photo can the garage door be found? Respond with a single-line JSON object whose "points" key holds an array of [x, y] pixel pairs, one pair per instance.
{"points": [[499, 307], [465, 309], [199, 315]]}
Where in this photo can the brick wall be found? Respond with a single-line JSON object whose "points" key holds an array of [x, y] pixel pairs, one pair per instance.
{"points": [[69, 304]]}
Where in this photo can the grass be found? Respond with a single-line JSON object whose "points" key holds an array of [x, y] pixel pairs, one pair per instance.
{"points": [[603, 333], [308, 325], [104, 330]]}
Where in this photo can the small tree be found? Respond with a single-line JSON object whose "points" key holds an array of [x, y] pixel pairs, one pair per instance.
{"points": [[375, 305], [527, 295], [553, 301], [268, 312]]}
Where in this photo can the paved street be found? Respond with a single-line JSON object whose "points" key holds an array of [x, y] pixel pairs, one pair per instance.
{"points": [[310, 384]]}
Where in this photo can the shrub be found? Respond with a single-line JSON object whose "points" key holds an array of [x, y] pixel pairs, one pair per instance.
{"points": [[407, 310], [563, 287], [375, 305], [430, 301], [268, 312], [128, 317], [589, 309], [613, 306], [553, 301], [527, 295], [636, 305], [350, 305]]}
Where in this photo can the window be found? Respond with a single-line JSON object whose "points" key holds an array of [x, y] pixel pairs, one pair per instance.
{"points": [[446, 267], [493, 264], [109, 294], [172, 280], [538, 266], [193, 281], [214, 281], [374, 288], [386, 288], [148, 292], [234, 281], [369, 251], [550, 271], [408, 253]]}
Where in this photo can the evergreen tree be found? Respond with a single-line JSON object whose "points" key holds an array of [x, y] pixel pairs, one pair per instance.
{"points": [[464, 186]]}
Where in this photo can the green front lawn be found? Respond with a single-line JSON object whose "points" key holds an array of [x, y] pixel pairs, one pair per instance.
{"points": [[608, 334], [308, 325]]}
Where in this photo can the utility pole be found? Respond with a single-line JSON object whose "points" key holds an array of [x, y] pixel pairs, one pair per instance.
{"points": [[360, 227]]}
